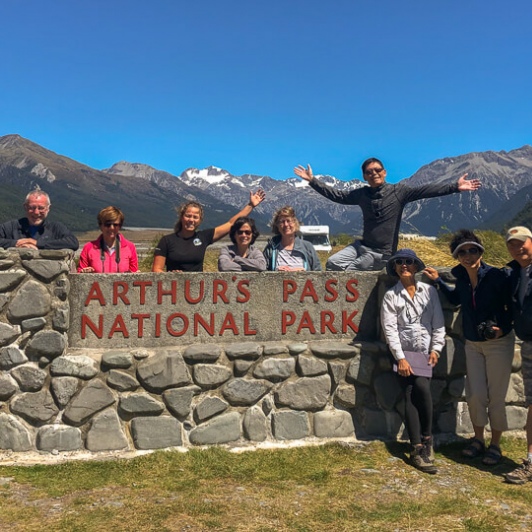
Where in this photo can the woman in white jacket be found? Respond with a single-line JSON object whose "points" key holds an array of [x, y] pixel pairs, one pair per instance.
{"points": [[412, 321]]}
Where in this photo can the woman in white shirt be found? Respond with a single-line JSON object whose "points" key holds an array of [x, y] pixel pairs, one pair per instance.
{"points": [[413, 324]]}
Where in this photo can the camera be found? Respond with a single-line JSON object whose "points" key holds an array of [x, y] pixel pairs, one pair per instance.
{"points": [[485, 329]]}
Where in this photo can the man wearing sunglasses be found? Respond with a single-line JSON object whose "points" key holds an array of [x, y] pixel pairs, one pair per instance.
{"points": [[519, 243], [34, 231], [382, 207]]}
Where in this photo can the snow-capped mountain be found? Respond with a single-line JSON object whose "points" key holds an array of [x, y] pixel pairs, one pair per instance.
{"points": [[148, 195]]}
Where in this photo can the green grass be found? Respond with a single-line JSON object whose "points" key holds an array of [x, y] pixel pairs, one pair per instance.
{"points": [[331, 487]]}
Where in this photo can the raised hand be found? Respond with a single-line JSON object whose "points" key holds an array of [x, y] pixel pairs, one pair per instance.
{"points": [[256, 197], [304, 173], [465, 185]]}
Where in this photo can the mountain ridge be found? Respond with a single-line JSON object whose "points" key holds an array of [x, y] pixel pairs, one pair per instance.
{"points": [[148, 195]]}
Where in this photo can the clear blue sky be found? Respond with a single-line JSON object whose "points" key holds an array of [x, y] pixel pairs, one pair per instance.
{"points": [[260, 86]]}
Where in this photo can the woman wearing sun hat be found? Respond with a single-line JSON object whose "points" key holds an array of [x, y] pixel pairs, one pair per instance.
{"points": [[413, 324], [484, 294]]}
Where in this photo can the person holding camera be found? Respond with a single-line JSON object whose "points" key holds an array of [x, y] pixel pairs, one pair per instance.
{"points": [[484, 294]]}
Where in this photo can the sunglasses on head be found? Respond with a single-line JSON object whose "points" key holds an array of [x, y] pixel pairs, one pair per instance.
{"points": [[408, 262], [471, 251], [243, 232]]}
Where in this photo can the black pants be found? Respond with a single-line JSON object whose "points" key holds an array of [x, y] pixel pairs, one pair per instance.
{"points": [[418, 411]]}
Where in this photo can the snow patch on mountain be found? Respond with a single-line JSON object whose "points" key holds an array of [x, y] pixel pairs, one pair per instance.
{"points": [[211, 175], [44, 173]]}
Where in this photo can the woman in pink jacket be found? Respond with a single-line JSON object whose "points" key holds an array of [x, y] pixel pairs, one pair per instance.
{"points": [[110, 252]]}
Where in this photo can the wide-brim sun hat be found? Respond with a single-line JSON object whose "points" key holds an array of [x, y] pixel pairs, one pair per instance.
{"points": [[404, 253], [469, 244]]}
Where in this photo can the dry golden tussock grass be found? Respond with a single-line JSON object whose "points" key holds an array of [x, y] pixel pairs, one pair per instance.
{"points": [[433, 252]]}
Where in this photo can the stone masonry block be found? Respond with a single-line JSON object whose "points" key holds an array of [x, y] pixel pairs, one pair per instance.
{"points": [[164, 370], [14, 435], [221, 429], [333, 350], [59, 438], [255, 424], [333, 424], [305, 393], [106, 433], [36, 408], [10, 357], [93, 398], [361, 369], [289, 425], [29, 378], [246, 350], [139, 405], [516, 416], [209, 407], [245, 392], [274, 369], [455, 419], [211, 375], [156, 432], [310, 366], [31, 300], [179, 400]]}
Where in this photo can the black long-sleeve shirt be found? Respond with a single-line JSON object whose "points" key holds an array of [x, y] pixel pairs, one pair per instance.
{"points": [[382, 208], [522, 312], [490, 300]]}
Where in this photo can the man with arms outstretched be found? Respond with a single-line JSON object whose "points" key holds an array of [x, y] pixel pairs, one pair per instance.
{"points": [[382, 206]]}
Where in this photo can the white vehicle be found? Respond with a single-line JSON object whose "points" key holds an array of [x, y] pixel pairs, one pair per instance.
{"points": [[317, 235]]}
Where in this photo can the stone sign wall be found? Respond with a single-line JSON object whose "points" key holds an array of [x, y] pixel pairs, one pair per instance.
{"points": [[162, 310], [118, 385]]}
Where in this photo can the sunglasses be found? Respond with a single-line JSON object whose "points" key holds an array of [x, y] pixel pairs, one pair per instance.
{"points": [[373, 171], [109, 224], [243, 232], [408, 262], [470, 251]]}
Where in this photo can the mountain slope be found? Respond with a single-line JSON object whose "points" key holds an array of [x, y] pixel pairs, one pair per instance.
{"points": [[148, 195], [78, 192]]}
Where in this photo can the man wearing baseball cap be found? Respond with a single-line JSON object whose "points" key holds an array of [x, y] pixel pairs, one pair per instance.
{"points": [[519, 243]]}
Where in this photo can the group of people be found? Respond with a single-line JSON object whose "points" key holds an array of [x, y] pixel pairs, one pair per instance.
{"points": [[111, 252], [184, 250], [181, 251], [381, 203], [495, 302]]}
